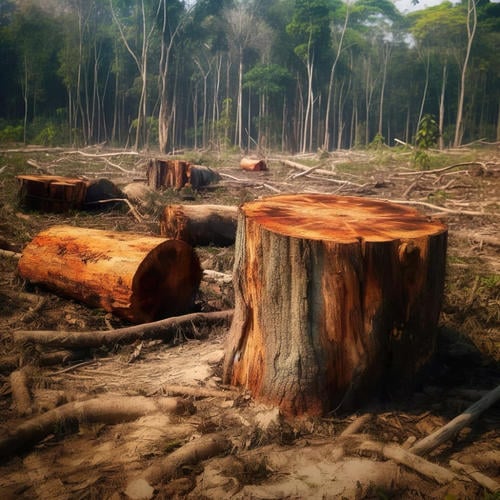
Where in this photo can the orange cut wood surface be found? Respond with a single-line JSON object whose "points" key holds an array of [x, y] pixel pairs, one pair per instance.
{"points": [[343, 219]]}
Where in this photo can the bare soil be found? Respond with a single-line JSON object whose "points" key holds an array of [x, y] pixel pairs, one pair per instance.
{"points": [[269, 456]]}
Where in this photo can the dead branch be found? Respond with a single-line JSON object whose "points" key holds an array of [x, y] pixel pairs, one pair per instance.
{"points": [[305, 168], [356, 425], [20, 381], [103, 155], [40, 168], [107, 410], [9, 254], [403, 143], [217, 277], [196, 392], [410, 460], [164, 329], [451, 428], [137, 216], [114, 165], [438, 170], [441, 209], [480, 238], [191, 453], [480, 478], [11, 363]]}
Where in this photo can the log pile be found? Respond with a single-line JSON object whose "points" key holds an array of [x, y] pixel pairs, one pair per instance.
{"points": [[139, 278], [336, 300], [200, 224]]}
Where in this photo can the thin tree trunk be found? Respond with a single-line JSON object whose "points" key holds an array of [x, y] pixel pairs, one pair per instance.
{"points": [[441, 108], [471, 31]]}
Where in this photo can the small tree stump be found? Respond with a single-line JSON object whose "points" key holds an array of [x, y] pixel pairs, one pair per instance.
{"points": [[336, 300], [139, 278], [253, 165], [178, 173], [200, 224]]}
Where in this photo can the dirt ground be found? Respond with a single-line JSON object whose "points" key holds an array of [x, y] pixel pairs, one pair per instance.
{"points": [[261, 454]]}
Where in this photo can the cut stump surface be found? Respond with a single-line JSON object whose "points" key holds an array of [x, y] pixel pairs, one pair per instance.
{"points": [[137, 277], [337, 300]]}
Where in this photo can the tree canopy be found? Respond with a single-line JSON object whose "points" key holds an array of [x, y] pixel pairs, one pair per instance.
{"points": [[295, 75]]}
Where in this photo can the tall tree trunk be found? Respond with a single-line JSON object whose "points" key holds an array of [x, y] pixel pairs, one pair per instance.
{"points": [[441, 108], [471, 31]]}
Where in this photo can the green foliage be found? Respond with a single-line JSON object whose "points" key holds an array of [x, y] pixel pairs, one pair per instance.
{"points": [[11, 133], [267, 78], [427, 137], [377, 142]]}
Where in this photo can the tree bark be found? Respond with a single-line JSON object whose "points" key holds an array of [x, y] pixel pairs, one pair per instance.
{"points": [[336, 300], [139, 278], [200, 224], [177, 174]]}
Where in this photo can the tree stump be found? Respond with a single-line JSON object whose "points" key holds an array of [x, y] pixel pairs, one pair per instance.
{"points": [[139, 278], [200, 224], [253, 164], [178, 173], [337, 300]]}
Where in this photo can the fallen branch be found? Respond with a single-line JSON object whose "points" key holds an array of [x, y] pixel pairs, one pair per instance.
{"points": [[451, 428], [11, 363], [410, 460], [21, 397], [196, 392], [138, 217], [438, 170], [217, 277], [164, 329], [356, 425], [480, 238], [103, 155], [9, 254], [107, 410], [114, 165], [305, 168], [190, 454], [480, 478], [439, 208]]}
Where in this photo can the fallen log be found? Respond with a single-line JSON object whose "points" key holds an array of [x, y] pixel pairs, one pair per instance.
{"points": [[449, 430], [253, 165], [337, 300], [191, 453], [139, 278], [200, 224], [106, 410], [164, 329], [410, 460]]}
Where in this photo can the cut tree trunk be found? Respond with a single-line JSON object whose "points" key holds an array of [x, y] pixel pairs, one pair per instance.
{"points": [[253, 165], [336, 300], [177, 174], [139, 278], [200, 224], [52, 193]]}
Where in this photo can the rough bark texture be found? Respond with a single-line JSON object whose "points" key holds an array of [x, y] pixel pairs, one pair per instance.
{"points": [[178, 173], [139, 278], [253, 165], [200, 224], [52, 193], [336, 300]]}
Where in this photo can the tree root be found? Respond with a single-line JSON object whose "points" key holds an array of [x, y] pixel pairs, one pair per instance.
{"points": [[107, 410]]}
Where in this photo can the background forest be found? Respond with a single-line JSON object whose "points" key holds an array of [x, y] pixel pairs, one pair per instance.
{"points": [[290, 75]]}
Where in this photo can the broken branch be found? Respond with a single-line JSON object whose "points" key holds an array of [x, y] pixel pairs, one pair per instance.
{"points": [[451, 428], [164, 329]]}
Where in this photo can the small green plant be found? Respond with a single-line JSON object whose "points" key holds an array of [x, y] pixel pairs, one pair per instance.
{"points": [[427, 137], [377, 142]]}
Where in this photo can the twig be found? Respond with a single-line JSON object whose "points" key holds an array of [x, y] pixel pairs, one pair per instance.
{"points": [[485, 481], [440, 209], [9, 254], [131, 172], [138, 217], [438, 170]]}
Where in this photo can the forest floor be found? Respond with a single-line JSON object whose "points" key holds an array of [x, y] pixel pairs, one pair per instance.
{"points": [[254, 452]]}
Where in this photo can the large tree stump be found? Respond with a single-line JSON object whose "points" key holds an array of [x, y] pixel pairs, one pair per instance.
{"points": [[336, 300], [200, 224], [178, 173], [139, 278]]}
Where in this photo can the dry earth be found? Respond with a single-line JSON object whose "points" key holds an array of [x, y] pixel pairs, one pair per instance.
{"points": [[261, 455]]}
